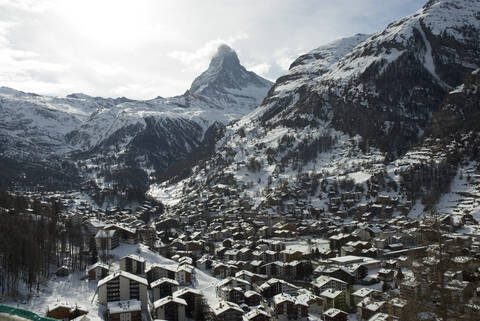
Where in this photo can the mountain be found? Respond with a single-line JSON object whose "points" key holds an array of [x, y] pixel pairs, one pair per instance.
{"points": [[227, 82], [396, 77], [361, 114], [122, 133]]}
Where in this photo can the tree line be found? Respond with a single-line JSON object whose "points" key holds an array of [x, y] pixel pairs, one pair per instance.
{"points": [[34, 241]]}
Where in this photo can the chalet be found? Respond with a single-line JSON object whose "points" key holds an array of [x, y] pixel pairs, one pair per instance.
{"points": [[195, 247], [277, 246], [396, 307], [185, 260], [286, 307], [234, 282], [315, 303], [324, 282], [204, 264], [133, 264], [125, 234], [359, 295], [170, 308], [167, 223], [245, 254], [121, 286], [163, 287], [184, 274], [335, 298], [334, 314], [290, 255], [339, 273], [252, 298], [193, 298], [273, 269], [98, 271], [106, 240], [221, 270], [339, 240], [231, 294], [270, 256], [273, 287], [124, 310], [386, 275], [382, 317], [251, 277], [255, 266], [231, 254], [65, 311], [228, 311], [368, 307], [257, 315], [94, 225], [157, 271]]}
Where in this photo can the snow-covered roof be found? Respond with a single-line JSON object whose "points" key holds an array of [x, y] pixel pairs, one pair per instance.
{"points": [[325, 279], [169, 299], [363, 292], [163, 280], [98, 264], [331, 293], [253, 313], [225, 306], [105, 234], [332, 312], [134, 257], [122, 274], [186, 290]]}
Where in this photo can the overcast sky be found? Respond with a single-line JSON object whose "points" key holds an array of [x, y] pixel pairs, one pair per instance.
{"points": [[147, 48]]}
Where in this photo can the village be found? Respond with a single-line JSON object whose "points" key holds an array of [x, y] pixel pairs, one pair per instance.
{"points": [[208, 261]]}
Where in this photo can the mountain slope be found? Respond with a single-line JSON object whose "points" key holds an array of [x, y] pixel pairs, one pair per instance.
{"points": [[350, 117], [150, 134], [386, 88]]}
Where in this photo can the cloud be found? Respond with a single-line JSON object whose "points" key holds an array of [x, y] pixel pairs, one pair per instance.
{"points": [[146, 48], [285, 56], [199, 58], [261, 68]]}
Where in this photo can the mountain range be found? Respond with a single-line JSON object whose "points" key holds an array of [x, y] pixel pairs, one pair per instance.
{"points": [[359, 113], [394, 111], [96, 132]]}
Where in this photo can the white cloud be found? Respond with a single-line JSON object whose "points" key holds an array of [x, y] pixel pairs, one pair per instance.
{"points": [[146, 48], [199, 58], [260, 69]]}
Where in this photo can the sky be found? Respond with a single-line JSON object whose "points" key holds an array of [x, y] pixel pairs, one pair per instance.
{"points": [[142, 49]]}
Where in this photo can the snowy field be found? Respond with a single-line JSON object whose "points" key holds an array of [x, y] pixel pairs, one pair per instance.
{"points": [[73, 290]]}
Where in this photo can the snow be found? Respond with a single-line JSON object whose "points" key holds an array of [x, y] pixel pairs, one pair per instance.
{"points": [[71, 290], [75, 291], [464, 194], [41, 121]]}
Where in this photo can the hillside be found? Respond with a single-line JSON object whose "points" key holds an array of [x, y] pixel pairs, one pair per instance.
{"points": [[356, 115]]}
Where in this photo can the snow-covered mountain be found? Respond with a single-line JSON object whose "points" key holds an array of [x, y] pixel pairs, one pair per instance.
{"points": [[152, 134], [387, 86], [353, 115]]}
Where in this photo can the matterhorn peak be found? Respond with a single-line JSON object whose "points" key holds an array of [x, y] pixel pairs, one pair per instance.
{"points": [[224, 50], [225, 57], [225, 72]]}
